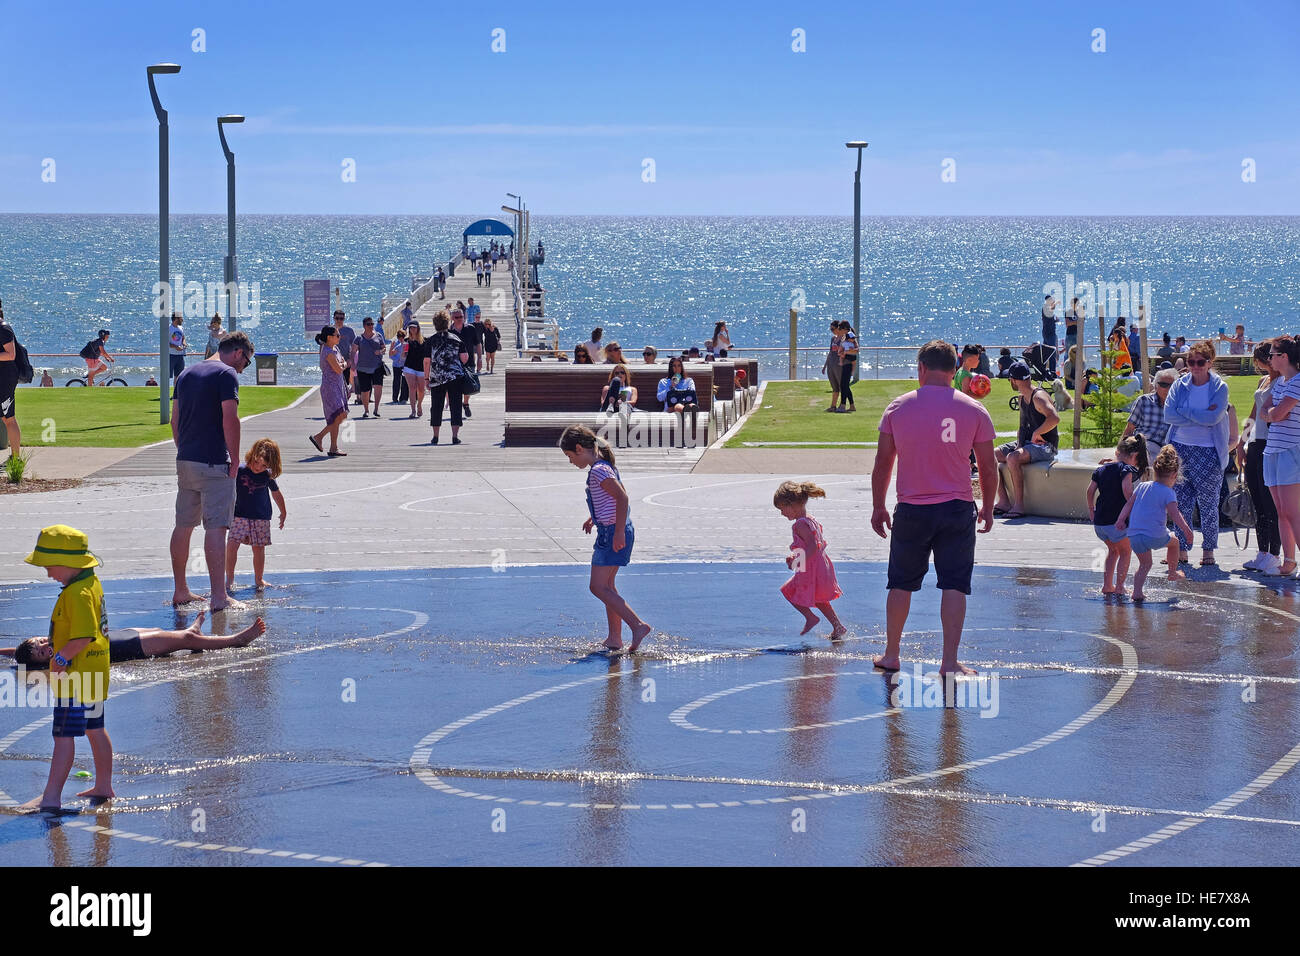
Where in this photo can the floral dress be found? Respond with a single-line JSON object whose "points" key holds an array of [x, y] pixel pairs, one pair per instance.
{"points": [[333, 393], [815, 582]]}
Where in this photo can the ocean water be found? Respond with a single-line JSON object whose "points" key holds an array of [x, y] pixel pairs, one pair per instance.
{"points": [[666, 280]]}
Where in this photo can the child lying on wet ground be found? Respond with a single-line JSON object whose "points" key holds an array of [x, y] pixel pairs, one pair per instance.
{"points": [[139, 643]]}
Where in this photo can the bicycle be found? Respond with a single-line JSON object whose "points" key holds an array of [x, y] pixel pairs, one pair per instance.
{"points": [[105, 379]]}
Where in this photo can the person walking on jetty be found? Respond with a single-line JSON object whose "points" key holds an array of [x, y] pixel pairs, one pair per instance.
{"points": [[1036, 440], [610, 515], [471, 343], [1197, 412], [491, 345], [814, 583], [417, 352], [205, 428], [443, 369], [931, 432], [78, 663], [333, 391], [368, 359], [398, 353]]}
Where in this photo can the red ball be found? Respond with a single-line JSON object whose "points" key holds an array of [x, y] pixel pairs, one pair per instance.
{"points": [[980, 386]]}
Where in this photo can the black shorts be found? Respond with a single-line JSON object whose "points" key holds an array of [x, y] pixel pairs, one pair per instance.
{"points": [[8, 403], [122, 648], [368, 381], [946, 530]]}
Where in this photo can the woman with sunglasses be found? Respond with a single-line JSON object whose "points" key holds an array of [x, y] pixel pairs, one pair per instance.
{"points": [[1282, 453], [581, 356], [1266, 524], [1197, 412]]}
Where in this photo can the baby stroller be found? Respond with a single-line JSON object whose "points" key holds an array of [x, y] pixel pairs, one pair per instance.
{"points": [[1036, 357]]}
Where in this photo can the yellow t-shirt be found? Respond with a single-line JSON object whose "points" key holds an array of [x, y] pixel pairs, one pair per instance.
{"points": [[79, 612]]}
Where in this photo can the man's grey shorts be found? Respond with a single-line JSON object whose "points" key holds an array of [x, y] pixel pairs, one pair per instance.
{"points": [[204, 492], [1036, 452]]}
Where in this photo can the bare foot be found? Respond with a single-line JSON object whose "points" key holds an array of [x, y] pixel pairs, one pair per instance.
{"points": [[1176, 575], [34, 805], [810, 621], [1120, 592], [185, 597], [197, 627], [1107, 590], [97, 793], [639, 634], [229, 604], [250, 633], [1138, 596], [886, 663], [617, 644], [839, 632], [955, 668], [262, 585]]}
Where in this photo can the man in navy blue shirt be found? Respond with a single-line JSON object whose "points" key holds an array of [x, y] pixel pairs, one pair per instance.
{"points": [[205, 427]]}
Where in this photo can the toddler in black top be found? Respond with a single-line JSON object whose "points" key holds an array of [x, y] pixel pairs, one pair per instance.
{"points": [[254, 488], [1108, 492]]}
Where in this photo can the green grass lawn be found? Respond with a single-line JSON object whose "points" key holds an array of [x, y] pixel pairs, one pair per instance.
{"points": [[115, 417], [794, 411]]}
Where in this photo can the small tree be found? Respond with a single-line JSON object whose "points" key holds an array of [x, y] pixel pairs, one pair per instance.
{"points": [[1105, 416]]}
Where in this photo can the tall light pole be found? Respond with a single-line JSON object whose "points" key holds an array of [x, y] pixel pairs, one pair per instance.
{"points": [[231, 271], [516, 212], [164, 320], [859, 145], [519, 231]]}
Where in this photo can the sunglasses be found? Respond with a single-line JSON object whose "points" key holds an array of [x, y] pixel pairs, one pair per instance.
{"points": [[1163, 384], [1197, 363]]}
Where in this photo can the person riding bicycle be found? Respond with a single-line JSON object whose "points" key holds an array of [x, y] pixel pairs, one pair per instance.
{"points": [[96, 355]]}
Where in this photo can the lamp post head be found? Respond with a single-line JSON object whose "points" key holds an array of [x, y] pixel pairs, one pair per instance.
{"points": [[857, 144], [221, 121], [153, 92]]}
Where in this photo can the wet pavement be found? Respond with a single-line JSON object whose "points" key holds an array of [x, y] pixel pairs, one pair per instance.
{"points": [[463, 716]]}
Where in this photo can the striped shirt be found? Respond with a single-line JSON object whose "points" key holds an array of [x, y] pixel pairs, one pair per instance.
{"points": [[602, 502], [1286, 433]]}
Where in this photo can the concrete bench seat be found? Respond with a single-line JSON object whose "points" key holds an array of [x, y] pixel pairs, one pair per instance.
{"points": [[636, 429], [1059, 489]]}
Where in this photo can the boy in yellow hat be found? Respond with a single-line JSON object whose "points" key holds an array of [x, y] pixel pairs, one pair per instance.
{"points": [[79, 667]]}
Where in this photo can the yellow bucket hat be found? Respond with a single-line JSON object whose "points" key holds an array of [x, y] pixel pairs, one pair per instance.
{"points": [[60, 545]]}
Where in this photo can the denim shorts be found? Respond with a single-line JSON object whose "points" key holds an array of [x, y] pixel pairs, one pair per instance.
{"points": [[603, 554], [73, 720], [1142, 543], [1107, 532], [1281, 467], [1036, 452]]}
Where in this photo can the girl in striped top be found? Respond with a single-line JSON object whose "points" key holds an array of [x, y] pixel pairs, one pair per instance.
{"points": [[1282, 452], [607, 505]]}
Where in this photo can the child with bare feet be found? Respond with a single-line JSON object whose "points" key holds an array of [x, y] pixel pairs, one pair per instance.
{"points": [[1146, 516], [254, 488], [813, 584], [1110, 489], [607, 504], [78, 663], [138, 643]]}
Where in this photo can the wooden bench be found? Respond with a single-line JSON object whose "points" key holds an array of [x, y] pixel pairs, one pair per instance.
{"points": [[637, 429], [541, 398]]}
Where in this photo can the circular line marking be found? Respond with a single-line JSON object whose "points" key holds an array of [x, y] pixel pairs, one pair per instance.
{"points": [[678, 716], [420, 620], [650, 499], [422, 769]]}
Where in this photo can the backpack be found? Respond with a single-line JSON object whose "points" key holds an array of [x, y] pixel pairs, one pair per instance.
{"points": [[90, 350], [22, 364]]}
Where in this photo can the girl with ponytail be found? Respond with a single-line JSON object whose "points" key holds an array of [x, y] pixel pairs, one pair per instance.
{"points": [[813, 584], [607, 505]]}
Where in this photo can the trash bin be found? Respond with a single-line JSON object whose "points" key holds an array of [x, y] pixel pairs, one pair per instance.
{"points": [[266, 367]]}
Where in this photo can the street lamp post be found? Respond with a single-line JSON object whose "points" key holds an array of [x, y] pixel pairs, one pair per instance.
{"points": [[164, 319], [231, 270], [859, 145]]}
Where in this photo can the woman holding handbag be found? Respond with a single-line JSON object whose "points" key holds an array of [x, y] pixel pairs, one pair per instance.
{"points": [[444, 370]]}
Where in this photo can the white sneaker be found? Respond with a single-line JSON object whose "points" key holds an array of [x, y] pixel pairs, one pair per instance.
{"points": [[1255, 563]]}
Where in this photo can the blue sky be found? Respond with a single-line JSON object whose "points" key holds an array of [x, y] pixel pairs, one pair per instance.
{"points": [[735, 121]]}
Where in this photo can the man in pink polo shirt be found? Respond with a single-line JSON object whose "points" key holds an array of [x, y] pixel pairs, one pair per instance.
{"points": [[931, 432]]}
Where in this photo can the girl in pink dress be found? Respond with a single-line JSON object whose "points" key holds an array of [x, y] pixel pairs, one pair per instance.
{"points": [[813, 584]]}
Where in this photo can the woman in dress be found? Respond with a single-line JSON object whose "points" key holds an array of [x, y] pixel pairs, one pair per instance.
{"points": [[333, 393]]}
